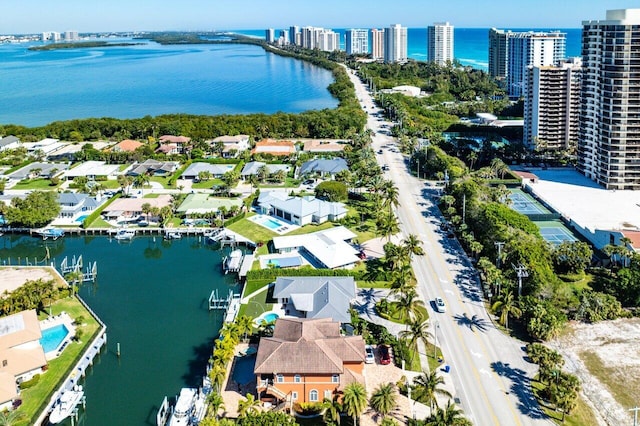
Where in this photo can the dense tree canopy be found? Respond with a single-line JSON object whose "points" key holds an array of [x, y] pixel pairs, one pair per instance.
{"points": [[37, 209]]}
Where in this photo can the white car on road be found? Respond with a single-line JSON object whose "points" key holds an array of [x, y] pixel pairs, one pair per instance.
{"points": [[440, 306]]}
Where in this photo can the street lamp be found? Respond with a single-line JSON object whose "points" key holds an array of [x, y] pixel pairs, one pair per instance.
{"points": [[436, 326]]}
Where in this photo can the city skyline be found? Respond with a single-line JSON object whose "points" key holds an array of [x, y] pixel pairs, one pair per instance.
{"points": [[145, 15]]}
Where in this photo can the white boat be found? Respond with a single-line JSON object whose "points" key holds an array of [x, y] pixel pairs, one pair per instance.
{"points": [[124, 235], [172, 236], [233, 262], [190, 408], [54, 233], [64, 406]]}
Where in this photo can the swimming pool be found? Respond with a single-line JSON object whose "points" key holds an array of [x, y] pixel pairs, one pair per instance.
{"points": [[53, 337], [269, 222], [271, 316], [243, 370], [82, 218]]}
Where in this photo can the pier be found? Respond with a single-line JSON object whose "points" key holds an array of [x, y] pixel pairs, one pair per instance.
{"points": [[226, 237], [188, 231], [233, 262], [231, 304], [90, 273]]}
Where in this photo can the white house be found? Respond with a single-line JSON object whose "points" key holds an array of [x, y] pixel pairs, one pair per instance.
{"points": [[233, 145], [300, 210], [9, 142]]}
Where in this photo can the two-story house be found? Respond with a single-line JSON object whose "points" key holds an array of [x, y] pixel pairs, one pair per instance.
{"points": [[307, 360]]}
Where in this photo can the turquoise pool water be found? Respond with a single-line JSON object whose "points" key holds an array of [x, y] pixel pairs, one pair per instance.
{"points": [[82, 218], [271, 317], [243, 370], [53, 337], [269, 222]]}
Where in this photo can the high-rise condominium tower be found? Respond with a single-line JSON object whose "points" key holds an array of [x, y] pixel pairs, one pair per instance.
{"points": [[395, 43], [531, 49], [440, 43], [356, 41], [552, 106], [498, 53], [609, 138], [294, 35], [269, 35], [377, 44]]}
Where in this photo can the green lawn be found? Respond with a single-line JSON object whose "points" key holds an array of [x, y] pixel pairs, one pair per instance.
{"points": [[400, 317], [257, 305], [152, 195], [373, 284], [580, 416], [162, 180], [254, 285], [206, 184], [251, 230], [99, 223], [288, 183], [36, 397], [110, 184], [308, 229], [37, 184]]}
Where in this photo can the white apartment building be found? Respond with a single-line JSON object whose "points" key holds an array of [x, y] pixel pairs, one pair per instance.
{"points": [[552, 106], [270, 35], [440, 43], [395, 44], [531, 49], [328, 41], [609, 138], [71, 36], [357, 41], [309, 37], [283, 38], [377, 44]]}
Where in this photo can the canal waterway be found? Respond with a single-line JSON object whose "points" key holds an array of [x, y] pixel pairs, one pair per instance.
{"points": [[152, 294]]}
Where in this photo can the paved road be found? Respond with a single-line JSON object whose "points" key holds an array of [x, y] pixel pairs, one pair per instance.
{"points": [[489, 372]]}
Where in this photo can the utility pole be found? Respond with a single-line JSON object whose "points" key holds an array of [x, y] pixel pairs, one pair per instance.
{"points": [[635, 415], [522, 272], [464, 207], [435, 338], [499, 245]]}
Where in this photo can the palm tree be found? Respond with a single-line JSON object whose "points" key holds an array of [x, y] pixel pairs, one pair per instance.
{"points": [[247, 405], [10, 418], [146, 209], [448, 416], [390, 194], [427, 386], [141, 180], [412, 245], [263, 173], [387, 224], [215, 403], [74, 277], [402, 279], [383, 399], [506, 305], [499, 167], [332, 408], [354, 400], [472, 158], [409, 303], [417, 330], [217, 374]]}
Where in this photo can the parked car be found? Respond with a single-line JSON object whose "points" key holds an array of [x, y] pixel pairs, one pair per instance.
{"points": [[385, 167], [385, 354], [309, 182], [440, 306], [369, 356]]}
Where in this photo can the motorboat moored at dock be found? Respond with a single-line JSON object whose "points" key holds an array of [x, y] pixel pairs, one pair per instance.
{"points": [[67, 403]]}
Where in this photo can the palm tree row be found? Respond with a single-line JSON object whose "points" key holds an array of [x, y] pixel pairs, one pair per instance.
{"points": [[37, 294]]}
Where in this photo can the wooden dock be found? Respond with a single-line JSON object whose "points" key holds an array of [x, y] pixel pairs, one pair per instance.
{"points": [[186, 231]]}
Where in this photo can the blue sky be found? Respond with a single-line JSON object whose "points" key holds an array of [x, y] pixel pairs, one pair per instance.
{"points": [[33, 16]]}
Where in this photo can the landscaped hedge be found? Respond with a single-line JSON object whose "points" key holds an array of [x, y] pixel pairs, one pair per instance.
{"points": [[178, 173], [306, 271], [235, 219]]}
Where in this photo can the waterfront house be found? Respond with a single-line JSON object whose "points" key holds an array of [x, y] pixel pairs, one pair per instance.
{"points": [[126, 145], [274, 147], [328, 249], [94, 170], [9, 142], [199, 203], [131, 208], [21, 355], [320, 146], [153, 168], [215, 170], [316, 297], [182, 142], [73, 204], [323, 167], [168, 149], [233, 145], [44, 147], [299, 210], [252, 168], [307, 360]]}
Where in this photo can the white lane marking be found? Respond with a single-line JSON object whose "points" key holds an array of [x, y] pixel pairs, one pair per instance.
{"points": [[485, 372], [476, 354]]}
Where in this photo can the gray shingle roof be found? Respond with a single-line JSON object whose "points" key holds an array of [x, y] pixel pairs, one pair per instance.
{"points": [[332, 166]]}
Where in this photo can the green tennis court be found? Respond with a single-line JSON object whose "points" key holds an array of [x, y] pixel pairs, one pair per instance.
{"points": [[555, 232], [525, 203]]}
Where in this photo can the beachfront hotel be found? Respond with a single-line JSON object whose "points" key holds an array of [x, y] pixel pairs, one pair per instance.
{"points": [[552, 106], [440, 43], [608, 148], [357, 41], [395, 44]]}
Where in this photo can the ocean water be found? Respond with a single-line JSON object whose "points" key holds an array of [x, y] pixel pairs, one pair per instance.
{"points": [[471, 45], [134, 81]]}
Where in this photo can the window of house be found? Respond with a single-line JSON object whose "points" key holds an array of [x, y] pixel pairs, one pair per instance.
{"points": [[297, 378], [280, 378], [313, 395], [335, 379], [4, 362], [294, 396]]}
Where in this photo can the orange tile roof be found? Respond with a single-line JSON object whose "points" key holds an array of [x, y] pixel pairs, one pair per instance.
{"points": [[174, 139], [128, 145], [634, 236], [274, 147]]}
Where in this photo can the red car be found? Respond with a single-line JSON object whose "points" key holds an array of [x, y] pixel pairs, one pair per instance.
{"points": [[385, 354]]}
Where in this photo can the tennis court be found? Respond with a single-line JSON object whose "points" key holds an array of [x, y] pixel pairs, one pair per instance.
{"points": [[525, 203], [555, 233]]}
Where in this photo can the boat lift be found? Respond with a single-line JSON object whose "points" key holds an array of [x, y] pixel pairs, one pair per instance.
{"points": [[90, 273]]}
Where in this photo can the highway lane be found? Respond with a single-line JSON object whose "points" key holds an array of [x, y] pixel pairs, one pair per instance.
{"points": [[488, 369]]}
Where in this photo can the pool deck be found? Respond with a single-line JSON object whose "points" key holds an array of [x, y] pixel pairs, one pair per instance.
{"points": [[283, 229], [266, 258], [50, 322]]}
